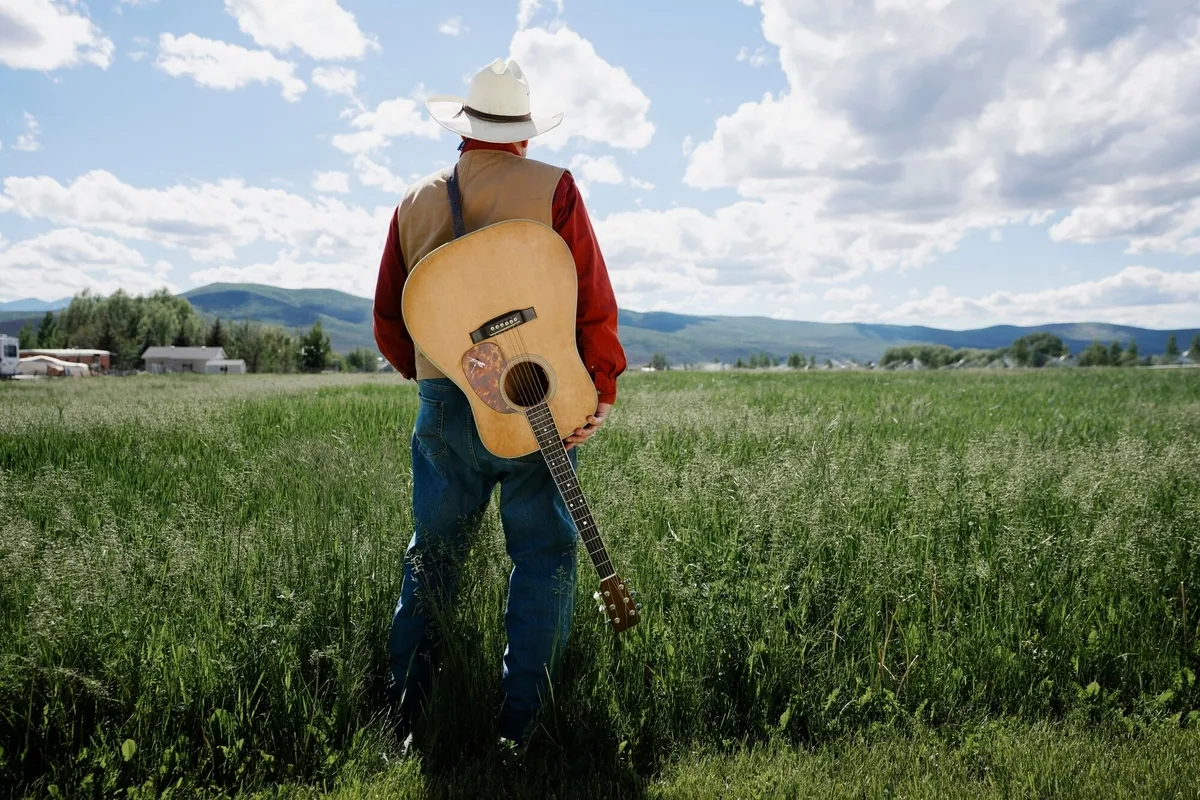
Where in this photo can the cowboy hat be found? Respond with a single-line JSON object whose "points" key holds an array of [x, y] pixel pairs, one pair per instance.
{"points": [[496, 108]]}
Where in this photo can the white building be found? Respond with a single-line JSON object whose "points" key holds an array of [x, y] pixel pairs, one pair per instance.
{"points": [[201, 360], [225, 366], [51, 366]]}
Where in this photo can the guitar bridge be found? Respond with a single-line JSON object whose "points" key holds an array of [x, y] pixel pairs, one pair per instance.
{"points": [[502, 323]]}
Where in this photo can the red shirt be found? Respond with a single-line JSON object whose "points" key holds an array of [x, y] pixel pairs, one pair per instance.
{"points": [[596, 310]]}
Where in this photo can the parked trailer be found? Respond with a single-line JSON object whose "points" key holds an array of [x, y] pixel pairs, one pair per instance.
{"points": [[10, 356]]}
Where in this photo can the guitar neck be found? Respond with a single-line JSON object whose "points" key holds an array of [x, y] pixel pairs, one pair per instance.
{"points": [[567, 481]]}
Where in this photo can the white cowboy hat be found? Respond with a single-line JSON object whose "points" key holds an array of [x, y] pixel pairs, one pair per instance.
{"points": [[496, 108]]}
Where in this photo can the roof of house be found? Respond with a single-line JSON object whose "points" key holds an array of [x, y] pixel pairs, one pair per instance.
{"points": [[185, 353]]}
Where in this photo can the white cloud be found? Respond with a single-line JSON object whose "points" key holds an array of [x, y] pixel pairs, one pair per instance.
{"points": [[645, 186], [600, 101], [372, 173], [41, 35], [1159, 213], [527, 8], [756, 58], [906, 124], [452, 27], [403, 116], [1136, 295], [43, 265], [321, 29], [842, 295], [219, 65], [338, 81], [772, 247], [27, 141], [600, 170], [332, 182], [210, 221], [335, 80]]}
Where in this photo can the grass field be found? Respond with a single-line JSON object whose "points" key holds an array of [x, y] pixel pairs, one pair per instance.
{"points": [[899, 585]]}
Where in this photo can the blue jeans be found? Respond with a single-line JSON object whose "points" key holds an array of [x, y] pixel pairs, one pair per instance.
{"points": [[453, 479]]}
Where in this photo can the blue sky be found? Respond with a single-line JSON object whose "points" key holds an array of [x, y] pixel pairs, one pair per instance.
{"points": [[910, 161]]}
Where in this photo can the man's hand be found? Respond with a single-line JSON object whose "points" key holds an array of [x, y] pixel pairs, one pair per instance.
{"points": [[581, 435]]}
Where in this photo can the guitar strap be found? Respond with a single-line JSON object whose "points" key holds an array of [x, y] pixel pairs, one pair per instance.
{"points": [[456, 214]]}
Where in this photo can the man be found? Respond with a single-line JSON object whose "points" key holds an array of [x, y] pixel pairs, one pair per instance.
{"points": [[453, 474]]}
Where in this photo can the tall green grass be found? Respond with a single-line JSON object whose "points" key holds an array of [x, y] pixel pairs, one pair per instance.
{"points": [[198, 577]]}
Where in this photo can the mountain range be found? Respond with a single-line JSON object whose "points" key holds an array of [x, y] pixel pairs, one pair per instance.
{"points": [[682, 338], [33, 304]]}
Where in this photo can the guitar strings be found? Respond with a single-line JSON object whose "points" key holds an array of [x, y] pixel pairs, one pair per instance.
{"points": [[600, 559], [527, 383]]}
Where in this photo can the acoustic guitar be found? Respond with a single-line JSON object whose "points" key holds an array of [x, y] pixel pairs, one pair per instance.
{"points": [[494, 310]]}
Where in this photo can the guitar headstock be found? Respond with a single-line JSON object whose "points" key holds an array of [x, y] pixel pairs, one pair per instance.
{"points": [[617, 603]]}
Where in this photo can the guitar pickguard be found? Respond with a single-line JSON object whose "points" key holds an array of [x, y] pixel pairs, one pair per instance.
{"points": [[483, 365]]}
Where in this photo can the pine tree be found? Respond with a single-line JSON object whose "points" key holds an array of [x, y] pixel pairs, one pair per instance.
{"points": [[28, 337], [49, 333], [1172, 347], [314, 349], [217, 335]]}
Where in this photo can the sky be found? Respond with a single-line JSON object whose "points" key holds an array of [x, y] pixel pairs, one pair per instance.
{"points": [[957, 163]]}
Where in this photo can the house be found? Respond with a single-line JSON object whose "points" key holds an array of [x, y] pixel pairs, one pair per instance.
{"points": [[97, 360], [191, 359]]}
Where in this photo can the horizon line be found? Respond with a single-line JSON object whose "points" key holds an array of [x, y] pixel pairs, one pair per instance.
{"points": [[620, 308]]}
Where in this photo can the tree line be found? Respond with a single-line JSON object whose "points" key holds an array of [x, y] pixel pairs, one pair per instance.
{"points": [[1036, 350], [127, 325]]}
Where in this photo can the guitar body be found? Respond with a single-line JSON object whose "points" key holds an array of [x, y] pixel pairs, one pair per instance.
{"points": [[503, 268], [494, 311]]}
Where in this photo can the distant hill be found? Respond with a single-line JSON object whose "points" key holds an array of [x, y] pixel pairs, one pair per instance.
{"points": [[682, 338], [32, 304], [345, 317]]}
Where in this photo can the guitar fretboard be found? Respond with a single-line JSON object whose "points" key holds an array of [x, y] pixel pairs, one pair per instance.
{"points": [[555, 453]]}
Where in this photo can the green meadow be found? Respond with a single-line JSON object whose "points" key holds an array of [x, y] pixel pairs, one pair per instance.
{"points": [[854, 584]]}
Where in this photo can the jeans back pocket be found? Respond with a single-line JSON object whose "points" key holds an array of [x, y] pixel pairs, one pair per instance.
{"points": [[428, 428]]}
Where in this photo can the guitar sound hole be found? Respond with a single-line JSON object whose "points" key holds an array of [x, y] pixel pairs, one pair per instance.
{"points": [[526, 384]]}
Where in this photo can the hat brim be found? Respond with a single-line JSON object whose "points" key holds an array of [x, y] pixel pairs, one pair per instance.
{"points": [[447, 112]]}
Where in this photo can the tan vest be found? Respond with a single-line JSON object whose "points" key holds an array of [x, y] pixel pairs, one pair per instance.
{"points": [[495, 186]]}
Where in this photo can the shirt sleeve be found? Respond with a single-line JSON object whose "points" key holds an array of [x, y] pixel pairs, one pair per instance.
{"points": [[596, 310], [391, 334]]}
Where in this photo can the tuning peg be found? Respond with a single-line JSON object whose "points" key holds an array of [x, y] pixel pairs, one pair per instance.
{"points": [[600, 609], [608, 594], [612, 607], [632, 593], [639, 606], [595, 595]]}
